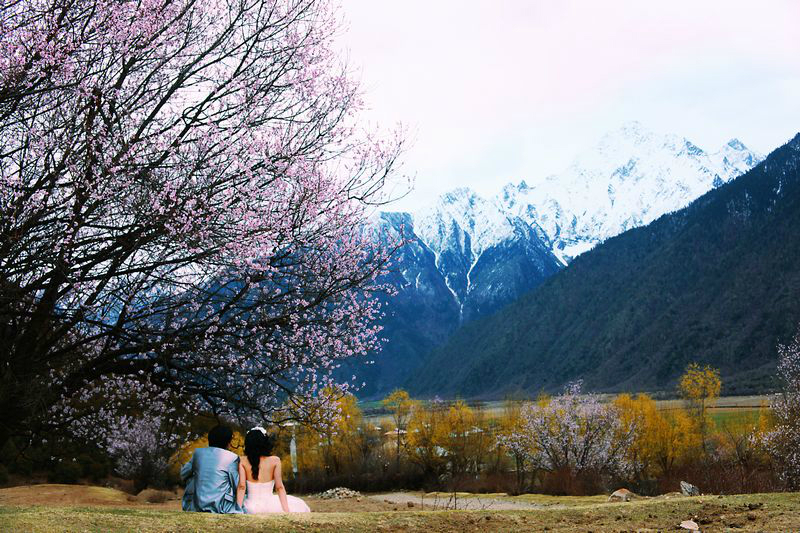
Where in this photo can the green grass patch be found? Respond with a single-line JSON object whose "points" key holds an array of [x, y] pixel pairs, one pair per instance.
{"points": [[737, 417]]}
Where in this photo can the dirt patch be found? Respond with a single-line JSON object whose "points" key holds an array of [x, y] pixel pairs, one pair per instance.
{"points": [[440, 502], [365, 504]]}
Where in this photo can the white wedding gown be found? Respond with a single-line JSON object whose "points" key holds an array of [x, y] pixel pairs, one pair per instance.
{"points": [[260, 499]]}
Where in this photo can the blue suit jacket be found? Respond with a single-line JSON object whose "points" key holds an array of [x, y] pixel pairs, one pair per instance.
{"points": [[211, 477]]}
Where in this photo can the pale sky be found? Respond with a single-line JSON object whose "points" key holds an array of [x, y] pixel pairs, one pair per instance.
{"points": [[494, 91]]}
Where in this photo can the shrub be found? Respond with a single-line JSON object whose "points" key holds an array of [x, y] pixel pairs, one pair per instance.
{"points": [[783, 443], [575, 439], [93, 467], [97, 470], [154, 496], [141, 449], [22, 468], [68, 472]]}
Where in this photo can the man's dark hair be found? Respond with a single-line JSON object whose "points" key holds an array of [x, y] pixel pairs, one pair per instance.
{"points": [[220, 436]]}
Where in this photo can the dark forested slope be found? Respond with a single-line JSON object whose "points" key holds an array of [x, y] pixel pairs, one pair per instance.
{"points": [[717, 282]]}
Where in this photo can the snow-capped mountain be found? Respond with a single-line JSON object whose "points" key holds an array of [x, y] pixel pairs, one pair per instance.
{"points": [[464, 258], [467, 255], [630, 178], [487, 256], [421, 315], [483, 256]]}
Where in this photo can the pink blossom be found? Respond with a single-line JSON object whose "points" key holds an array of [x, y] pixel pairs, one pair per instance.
{"points": [[184, 198]]}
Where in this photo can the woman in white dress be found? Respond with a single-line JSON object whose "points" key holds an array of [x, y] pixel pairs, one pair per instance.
{"points": [[259, 474]]}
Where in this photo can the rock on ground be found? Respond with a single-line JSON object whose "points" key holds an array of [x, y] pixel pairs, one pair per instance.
{"points": [[622, 495], [689, 490], [339, 493]]}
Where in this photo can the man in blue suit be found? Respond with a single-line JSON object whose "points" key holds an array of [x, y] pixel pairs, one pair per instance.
{"points": [[211, 476]]}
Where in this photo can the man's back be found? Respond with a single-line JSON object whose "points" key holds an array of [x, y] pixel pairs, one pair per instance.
{"points": [[211, 477]]}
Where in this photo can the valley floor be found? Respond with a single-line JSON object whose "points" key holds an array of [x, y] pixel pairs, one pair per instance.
{"points": [[63, 508]]}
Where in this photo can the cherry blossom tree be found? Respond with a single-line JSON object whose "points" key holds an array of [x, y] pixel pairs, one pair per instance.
{"points": [[184, 187], [571, 432], [783, 442], [134, 421]]}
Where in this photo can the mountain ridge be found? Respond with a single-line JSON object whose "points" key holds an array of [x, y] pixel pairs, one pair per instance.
{"points": [[648, 173], [712, 282]]}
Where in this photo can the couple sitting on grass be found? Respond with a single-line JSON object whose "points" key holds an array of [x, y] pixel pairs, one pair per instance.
{"points": [[219, 481]]}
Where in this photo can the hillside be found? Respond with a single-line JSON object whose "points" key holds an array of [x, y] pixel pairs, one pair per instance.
{"points": [[716, 282]]}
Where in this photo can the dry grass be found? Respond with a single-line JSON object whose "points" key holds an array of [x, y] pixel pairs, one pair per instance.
{"points": [[765, 512], [88, 496], [54, 494]]}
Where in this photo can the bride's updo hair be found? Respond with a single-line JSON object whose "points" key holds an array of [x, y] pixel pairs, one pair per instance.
{"points": [[256, 446]]}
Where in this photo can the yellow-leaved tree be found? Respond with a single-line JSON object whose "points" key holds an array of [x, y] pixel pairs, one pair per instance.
{"points": [[663, 438], [700, 386], [427, 431], [400, 405], [332, 443], [639, 415], [461, 437], [676, 441]]}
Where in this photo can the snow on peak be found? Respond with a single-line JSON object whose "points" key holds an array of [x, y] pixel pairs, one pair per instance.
{"points": [[734, 158], [629, 178], [462, 219], [632, 129], [736, 144]]}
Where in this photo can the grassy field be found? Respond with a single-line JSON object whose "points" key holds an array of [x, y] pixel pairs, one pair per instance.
{"points": [[764, 512], [721, 417], [726, 408]]}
